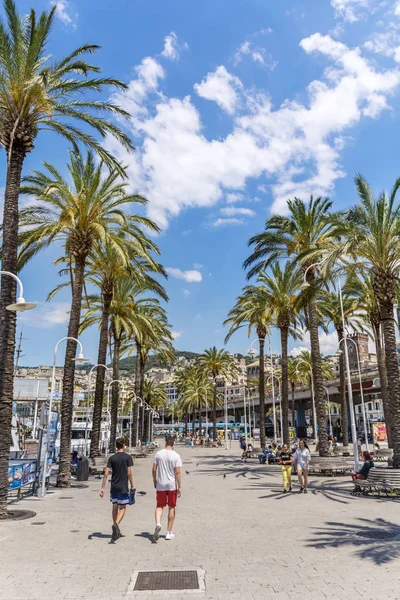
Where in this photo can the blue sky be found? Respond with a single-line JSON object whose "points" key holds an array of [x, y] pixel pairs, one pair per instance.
{"points": [[236, 107]]}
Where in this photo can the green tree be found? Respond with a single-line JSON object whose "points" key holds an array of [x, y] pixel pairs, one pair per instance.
{"points": [[284, 299], [252, 311], [305, 236], [37, 94], [80, 216], [216, 363]]}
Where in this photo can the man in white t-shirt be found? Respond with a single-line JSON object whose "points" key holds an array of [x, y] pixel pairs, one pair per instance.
{"points": [[167, 481]]}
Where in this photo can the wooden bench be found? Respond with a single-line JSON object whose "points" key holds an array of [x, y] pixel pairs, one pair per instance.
{"points": [[327, 465], [379, 480]]}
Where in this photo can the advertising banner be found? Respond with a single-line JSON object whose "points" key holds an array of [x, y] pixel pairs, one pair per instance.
{"points": [[379, 432]]}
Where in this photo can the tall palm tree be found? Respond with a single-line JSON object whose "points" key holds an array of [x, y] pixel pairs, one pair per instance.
{"points": [[361, 288], [36, 94], [305, 236], [304, 370], [252, 310], [330, 308], [371, 235], [216, 363], [80, 216], [284, 299], [293, 380], [105, 268]]}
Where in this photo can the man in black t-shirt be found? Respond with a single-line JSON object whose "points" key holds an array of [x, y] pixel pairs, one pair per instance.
{"points": [[120, 465]]}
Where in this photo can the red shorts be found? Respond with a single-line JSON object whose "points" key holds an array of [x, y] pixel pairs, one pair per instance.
{"points": [[166, 497]]}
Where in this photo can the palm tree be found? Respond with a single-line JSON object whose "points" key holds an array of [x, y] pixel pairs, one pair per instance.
{"points": [[105, 268], [195, 386], [284, 300], [305, 236], [216, 363], [155, 395], [252, 310], [293, 380], [90, 211], [361, 287], [330, 308], [371, 234], [36, 94]]}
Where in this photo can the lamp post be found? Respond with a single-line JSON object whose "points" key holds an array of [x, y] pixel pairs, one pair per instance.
{"points": [[79, 358], [202, 387], [20, 305], [346, 355], [108, 407], [245, 416], [329, 409], [301, 360], [88, 402], [228, 407], [361, 389], [273, 401], [131, 420], [224, 395], [252, 352]]}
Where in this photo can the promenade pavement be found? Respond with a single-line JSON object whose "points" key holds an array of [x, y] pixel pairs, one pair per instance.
{"points": [[252, 541]]}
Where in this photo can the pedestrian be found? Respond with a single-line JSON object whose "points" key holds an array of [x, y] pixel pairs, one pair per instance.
{"points": [[168, 484], [286, 459], [359, 447], [120, 464], [302, 459], [363, 472]]}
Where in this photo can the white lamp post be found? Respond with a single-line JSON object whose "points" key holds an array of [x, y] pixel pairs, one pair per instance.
{"points": [[245, 416], [361, 390], [228, 407], [131, 419], [20, 305], [224, 396], [251, 352], [301, 360], [346, 355], [79, 358], [273, 401], [329, 409], [198, 389], [88, 402], [108, 406]]}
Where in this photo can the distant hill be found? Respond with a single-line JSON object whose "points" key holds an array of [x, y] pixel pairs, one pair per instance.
{"points": [[129, 364]]}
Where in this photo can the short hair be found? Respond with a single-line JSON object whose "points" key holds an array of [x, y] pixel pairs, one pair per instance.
{"points": [[170, 440], [120, 443]]}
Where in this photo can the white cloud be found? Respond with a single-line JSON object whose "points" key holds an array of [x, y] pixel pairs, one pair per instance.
{"points": [[231, 211], [186, 293], [46, 315], [386, 42], [256, 53], [227, 222], [188, 276], [222, 87], [63, 11], [172, 47], [176, 334], [294, 147], [397, 8], [197, 266], [295, 352], [351, 10]]}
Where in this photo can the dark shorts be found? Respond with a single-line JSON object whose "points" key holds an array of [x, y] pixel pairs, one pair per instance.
{"points": [[167, 497], [121, 499]]}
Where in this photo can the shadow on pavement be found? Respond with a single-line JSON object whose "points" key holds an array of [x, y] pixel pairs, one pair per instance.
{"points": [[98, 534], [365, 536], [146, 535]]}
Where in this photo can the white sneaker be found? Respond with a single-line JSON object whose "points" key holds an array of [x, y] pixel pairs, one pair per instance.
{"points": [[169, 536], [157, 532]]}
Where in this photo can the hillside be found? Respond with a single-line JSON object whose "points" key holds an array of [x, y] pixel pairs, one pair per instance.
{"points": [[129, 364]]}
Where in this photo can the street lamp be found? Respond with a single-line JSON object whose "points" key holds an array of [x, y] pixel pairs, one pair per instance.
{"points": [[305, 285], [361, 388], [108, 406], [88, 402], [329, 409], [245, 416], [251, 352], [301, 360], [273, 401], [202, 387], [224, 396], [131, 420], [20, 305], [79, 358]]}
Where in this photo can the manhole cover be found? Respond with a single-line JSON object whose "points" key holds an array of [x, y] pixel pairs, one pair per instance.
{"points": [[166, 580], [19, 515], [377, 535], [66, 498], [79, 486], [38, 523]]}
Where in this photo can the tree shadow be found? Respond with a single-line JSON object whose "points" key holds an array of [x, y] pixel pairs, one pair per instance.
{"points": [[365, 537]]}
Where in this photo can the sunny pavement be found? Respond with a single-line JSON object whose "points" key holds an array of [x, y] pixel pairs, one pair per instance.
{"points": [[252, 541]]}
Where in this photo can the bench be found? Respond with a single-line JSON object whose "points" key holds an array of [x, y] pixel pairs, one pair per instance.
{"points": [[97, 465], [379, 479], [383, 455], [326, 465]]}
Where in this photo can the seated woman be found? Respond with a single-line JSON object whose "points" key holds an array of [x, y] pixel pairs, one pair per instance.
{"points": [[363, 472]]}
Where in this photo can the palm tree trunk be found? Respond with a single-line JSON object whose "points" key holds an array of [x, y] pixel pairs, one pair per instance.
{"points": [[135, 436], [261, 389], [285, 386], [115, 392], [100, 377], [144, 421], [342, 391], [318, 378], [293, 386], [214, 411], [186, 424], [393, 378], [380, 357], [67, 401], [7, 318]]}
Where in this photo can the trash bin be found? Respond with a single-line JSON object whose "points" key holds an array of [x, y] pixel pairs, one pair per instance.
{"points": [[82, 469]]}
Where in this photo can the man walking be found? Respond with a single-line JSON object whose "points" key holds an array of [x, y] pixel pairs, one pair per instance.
{"points": [[167, 481], [120, 465]]}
